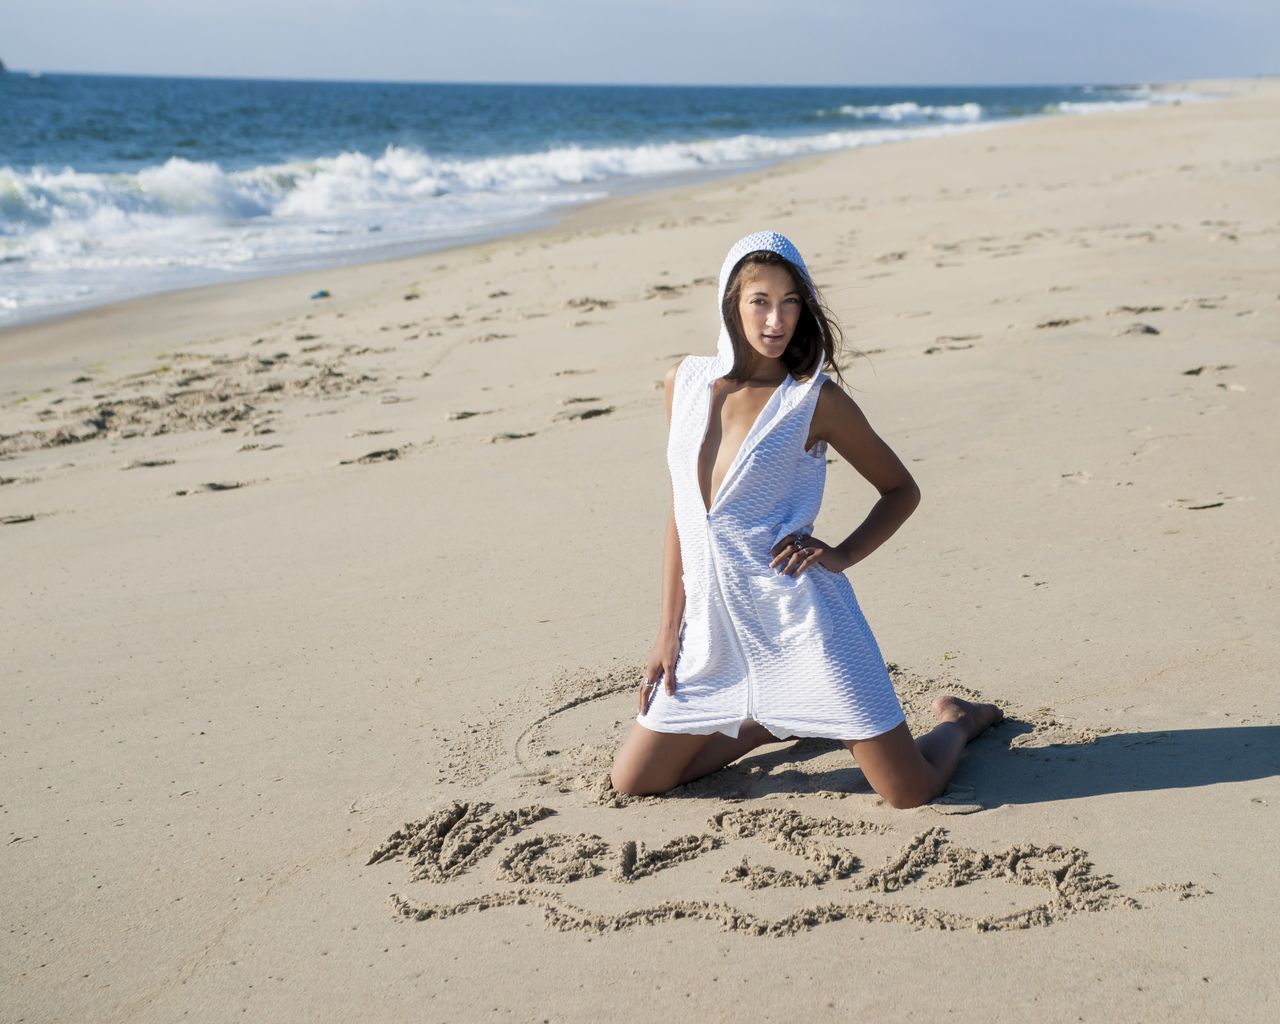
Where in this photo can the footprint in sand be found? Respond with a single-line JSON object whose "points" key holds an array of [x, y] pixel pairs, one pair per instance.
{"points": [[381, 455], [1204, 302], [952, 343], [671, 291], [589, 305], [1199, 505], [20, 518], [1223, 385], [1061, 322], [1135, 329], [1133, 310], [663, 291], [509, 435], [147, 463], [214, 486], [582, 414]]}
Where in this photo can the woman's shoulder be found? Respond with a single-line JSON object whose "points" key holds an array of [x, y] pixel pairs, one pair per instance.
{"points": [[824, 390], [688, 367], [696, 363], [833, 404]]}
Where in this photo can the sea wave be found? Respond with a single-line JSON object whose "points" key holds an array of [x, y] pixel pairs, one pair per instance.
{"points": [[1130, 98], [909, 112], [350, 182], [69, 237]]}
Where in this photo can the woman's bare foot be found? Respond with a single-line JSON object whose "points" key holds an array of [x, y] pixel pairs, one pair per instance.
{"points": [[974, 718]]}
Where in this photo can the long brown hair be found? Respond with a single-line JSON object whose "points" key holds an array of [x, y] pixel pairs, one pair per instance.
{"points": [[818, 329]]}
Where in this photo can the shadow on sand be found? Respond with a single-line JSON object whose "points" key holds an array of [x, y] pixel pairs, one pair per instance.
{"points": [[1131, 762]]}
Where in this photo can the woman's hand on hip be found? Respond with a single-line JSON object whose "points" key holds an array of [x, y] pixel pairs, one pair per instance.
{"points": [[797, 552]]}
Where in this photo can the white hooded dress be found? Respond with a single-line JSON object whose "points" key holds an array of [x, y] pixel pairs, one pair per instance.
{"points": [[793, 653]]}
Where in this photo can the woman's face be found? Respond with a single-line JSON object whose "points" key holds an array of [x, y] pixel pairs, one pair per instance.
{"points": [[770, 308]]}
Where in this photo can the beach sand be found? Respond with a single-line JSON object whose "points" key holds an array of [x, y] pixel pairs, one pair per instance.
{"points": [[322, 617]]}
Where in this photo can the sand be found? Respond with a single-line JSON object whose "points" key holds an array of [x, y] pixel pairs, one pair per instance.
{"points": [[322, 617]]}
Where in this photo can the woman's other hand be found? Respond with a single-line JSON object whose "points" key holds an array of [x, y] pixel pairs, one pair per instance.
{"points": [[660, 666]]}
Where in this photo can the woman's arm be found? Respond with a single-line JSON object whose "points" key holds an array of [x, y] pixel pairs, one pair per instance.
{"points": [[838, 420], [667, 645]]}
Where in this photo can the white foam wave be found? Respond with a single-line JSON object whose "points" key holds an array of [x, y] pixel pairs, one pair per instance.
{"points": [[43, 198], [66, 235], [1133, 98], [909, 112]]}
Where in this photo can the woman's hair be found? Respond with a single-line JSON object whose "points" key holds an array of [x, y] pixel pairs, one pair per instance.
{"points": [[817, 329]]}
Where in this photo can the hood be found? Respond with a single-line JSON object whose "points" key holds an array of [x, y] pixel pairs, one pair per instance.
{"points": [[773, 242]]}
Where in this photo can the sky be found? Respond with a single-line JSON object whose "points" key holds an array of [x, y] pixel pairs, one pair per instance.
{"points": [[728, 42]]}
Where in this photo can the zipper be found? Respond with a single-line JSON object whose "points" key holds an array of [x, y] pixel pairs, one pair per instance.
{"points": [[707, 512], [724, 609]]}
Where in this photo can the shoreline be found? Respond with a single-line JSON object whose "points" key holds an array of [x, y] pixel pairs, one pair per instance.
{"points": [[549, 219]]}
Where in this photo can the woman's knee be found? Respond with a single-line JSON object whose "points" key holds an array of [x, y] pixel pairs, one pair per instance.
{"points": [[648, 763], [895, 768], [629, 782], [633, 775], [903, 797]]}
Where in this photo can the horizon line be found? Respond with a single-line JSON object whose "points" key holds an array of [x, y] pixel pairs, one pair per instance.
{"points": [[625, 85]]}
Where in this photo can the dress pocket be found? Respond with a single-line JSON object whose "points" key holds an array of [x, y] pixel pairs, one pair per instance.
{"points": [[785, 606]]}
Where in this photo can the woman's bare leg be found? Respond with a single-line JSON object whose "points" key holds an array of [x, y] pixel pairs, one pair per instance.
{"points": [[723, 750], [909, 772], [651, 762]]}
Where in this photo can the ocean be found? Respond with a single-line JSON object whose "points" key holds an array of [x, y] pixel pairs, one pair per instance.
{"points": [[117, 186]]}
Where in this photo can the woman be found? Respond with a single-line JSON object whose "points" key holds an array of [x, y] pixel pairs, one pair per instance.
{"points": [[762, 638]]}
